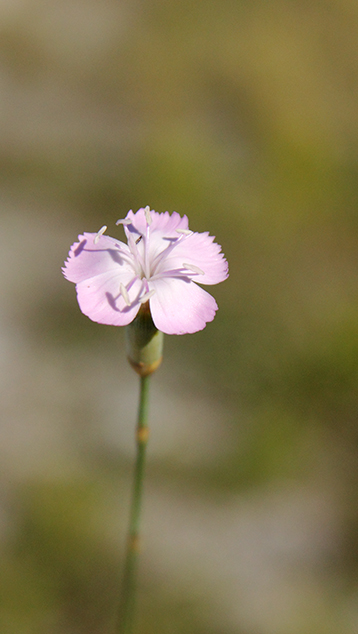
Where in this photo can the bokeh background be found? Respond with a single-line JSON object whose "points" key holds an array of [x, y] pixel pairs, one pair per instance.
{"points": [[243, 114]]}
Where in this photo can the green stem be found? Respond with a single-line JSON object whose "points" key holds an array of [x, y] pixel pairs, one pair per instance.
{"points": [[125, 622]]}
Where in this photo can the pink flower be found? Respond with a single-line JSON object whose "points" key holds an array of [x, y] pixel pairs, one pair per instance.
{"points": [[161, 264]]}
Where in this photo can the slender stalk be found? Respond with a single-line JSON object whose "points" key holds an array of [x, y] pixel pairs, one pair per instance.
{"points": [[125, 622]]}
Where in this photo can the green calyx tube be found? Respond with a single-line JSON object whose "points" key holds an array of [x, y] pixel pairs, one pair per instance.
{"points": [[144, 343]]}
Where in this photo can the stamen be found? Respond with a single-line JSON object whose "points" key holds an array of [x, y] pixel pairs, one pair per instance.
{"points": [[124, 221], [172, 244], [124, 294], [99, 234], [192, 267], [147, 296], [148, 217]]}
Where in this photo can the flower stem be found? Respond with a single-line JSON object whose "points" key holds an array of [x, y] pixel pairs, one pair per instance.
{"points": [[125, 622]]}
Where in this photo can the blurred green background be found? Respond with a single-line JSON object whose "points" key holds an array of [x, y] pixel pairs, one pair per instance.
{"points": [[244, 116]]}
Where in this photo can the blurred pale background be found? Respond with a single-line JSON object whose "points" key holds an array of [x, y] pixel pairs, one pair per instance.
{"points": [[243, 115]]}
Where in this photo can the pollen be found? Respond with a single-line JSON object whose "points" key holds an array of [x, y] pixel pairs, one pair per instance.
{"points": [[148, 217], [124, 221], [147, 296], [124, 294], [99, 234], [192, 267], [185, 232]]}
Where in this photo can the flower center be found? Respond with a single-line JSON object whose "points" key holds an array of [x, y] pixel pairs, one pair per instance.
{"points": [[149, 266], [139, 247]]}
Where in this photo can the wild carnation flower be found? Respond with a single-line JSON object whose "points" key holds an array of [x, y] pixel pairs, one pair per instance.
{"points": [[162, 263]]}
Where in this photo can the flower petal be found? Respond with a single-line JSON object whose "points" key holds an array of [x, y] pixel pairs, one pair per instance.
{"points": [[87, 259], [179, 306], [164, 223], [103, 300], [199, 250]]}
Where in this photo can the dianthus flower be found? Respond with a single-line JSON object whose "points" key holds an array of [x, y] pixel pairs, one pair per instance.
{"points": [[161, 264]]}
